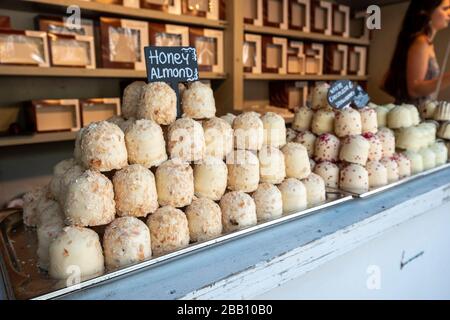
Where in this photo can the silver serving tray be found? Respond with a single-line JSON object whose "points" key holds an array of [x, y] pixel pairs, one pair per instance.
{"points": [[24, 280]]}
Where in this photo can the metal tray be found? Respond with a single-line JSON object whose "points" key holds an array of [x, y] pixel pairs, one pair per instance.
{"points": [[24, 280]]}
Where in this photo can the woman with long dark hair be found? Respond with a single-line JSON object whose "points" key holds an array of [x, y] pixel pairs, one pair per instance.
{"points": [[414, 72]]}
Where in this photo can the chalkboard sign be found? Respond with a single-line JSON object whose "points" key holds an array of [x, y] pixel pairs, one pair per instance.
{"points": [[361, 98], [172, 65], [341, 94]]}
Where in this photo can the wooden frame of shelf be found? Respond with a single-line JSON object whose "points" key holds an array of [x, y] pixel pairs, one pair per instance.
{"points": [[299, 77], [37, 138]]}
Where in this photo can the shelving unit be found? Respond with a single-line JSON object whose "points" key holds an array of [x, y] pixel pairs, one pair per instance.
{"points": [[37, 138], [286, 77]]}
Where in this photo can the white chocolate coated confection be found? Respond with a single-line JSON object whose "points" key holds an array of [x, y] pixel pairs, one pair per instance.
{"points": [[412, 138], [77, 250], [400, 117], [323, 121], [315, 189], [131, 99], [392, 169], [71, 175], [58, 173], [126, 241], [414, 113], [376, 148], [169, 230], [296, 160], [442, 112], [77, 148], [294, 195], [308, 140], [175, 183], [145, 143], [218, 137], [103, 147], [238, 211], [382, 115], [319, 96], [271, 165], [198, 102], [268, 201], [369, 120], [444, 131], [428, 109], [30, 203], [355, 149], [441, 152], [135, 191], [248, 131], [204, 220], [243, 171], [416, 161], [229, 118], [274, 130], [158, 103], [378, 175], [404, 165], [291, 134], [347, 122], [429, 158], [303, 118], [327, 148], [210, 178], [186, 140], [329, 173], [354, 178], [429, 129], [90, 200], [387, 139], [121, 122]]}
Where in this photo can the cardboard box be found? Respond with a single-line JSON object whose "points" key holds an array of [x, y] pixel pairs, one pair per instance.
{"points": [[24, 47], [300, 15], [54, 115], [253, 12], [210, 9], [60, 25], [358, 27], [72, 51], [209, 46], [357, 61], [276, 13], [313, 58], [5, 22], [169, 6], [123, 43], [168, 35], [252, 53], [274, 55], [321, 17], [341, 20], [296, 58], [336, 59], [125, 3], [290, 95], [8, 116], [94, 110]]}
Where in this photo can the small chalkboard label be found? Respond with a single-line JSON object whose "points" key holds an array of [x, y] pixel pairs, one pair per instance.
{"points": [[361, 98], [172, 65], [341, 94]]}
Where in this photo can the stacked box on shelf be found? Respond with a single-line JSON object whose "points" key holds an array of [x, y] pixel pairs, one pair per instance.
{"points": [[341, 20], [357, 61], [300, 15], [209, 46], [289, 95], [253, 12], [274, 55], [168, 35], [321, 17], [5, 22], [93, 110], [125, 3], [314, 53], [173, 6], [358, 27], [336, 58], [295, 58], [252, 55], [210, 9], [54, 115], [275, 13]]}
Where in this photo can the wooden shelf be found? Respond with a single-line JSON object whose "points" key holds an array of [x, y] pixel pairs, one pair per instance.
{"points": [[298, 77], [37, 138], [86, 73], [134, 12], [293, 34]]}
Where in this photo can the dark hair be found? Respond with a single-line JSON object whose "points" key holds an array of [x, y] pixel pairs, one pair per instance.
{"points": [[416, 23]]}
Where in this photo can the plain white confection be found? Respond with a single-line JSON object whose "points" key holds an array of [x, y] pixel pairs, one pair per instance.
{"points": [[291, 134], [376, 148], [90, 200], [204, 220], [296, 160], [429, 158], [387, 139], [49, 227], [135, 191], [77, 148], [294, 195], [76, 250], [210, 178], [378, 175], [218, 137], [248, 131], [158, 103], [315, 189], [302, 119], [392, 169], [186, 140], [412, 138], [354, 178], [272, 166], [198, 102], [229, 118], [429, 131], [243, 171], [355, 149], [131, 99], [30, 203], [404, 165], [441, 152], [308, 140], [428, 109], [329, 173], [442, 112], [414, 112], [416, 161], [327, 148], [175, 183], [274, 130], [319, 97], [347, 122], [389, 106], [71, 175], [126, 241], [268, 201], [444, 131], [238, 211], [369, 120], [145, 143], [103, 147], [58, 173], [169, 230], [382, 114], [323, 121], [400, 117]]}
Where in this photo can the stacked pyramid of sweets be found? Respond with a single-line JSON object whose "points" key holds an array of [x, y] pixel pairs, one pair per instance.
{"points": [[350, 151], [159, 183]]}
